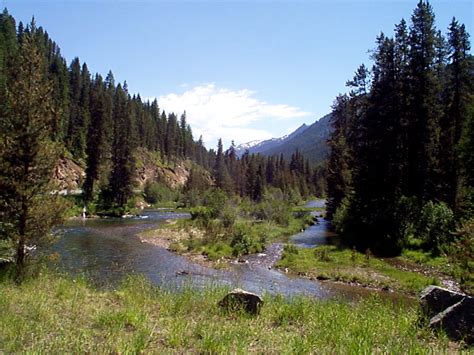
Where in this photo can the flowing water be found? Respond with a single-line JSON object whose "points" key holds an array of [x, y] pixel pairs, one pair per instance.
{"points": [[106, 250]]}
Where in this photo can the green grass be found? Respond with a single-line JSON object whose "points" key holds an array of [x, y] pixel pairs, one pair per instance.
{"points": [[443, 264], [53, 314], [424, 258], [329, 262]]}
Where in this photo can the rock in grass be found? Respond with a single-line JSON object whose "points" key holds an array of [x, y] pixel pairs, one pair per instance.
{"points": [[241, 300], [434, 299], [450, 311], [457, 320]]}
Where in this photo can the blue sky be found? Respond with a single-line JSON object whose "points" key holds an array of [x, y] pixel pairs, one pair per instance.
{"points": [[243, 70]]}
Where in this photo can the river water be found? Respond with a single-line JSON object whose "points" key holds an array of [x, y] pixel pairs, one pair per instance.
{"points": [[106, 250]]}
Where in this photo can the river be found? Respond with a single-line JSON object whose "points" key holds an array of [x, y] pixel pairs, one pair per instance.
{"points": [[106, 250]]}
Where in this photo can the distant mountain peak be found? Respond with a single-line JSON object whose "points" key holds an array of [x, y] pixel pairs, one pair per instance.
{"points": [[259, 146], [309, 139], [248, 144]]}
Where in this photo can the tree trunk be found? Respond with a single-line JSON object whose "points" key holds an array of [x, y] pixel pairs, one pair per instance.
{"points": [[20, 252]]}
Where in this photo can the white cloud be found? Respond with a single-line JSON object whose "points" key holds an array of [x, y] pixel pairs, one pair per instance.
{"points": [[232, 115]]}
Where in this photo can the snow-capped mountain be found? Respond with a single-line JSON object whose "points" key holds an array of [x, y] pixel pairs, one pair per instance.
{"points": [[309, 140], [259, 146]]}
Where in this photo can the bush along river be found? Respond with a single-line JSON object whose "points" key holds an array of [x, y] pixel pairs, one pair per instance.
{"points": [[106, 250]]}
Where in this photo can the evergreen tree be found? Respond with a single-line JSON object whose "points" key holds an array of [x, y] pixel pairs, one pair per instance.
{"points": [[221, 175], [459, 96], [75, 136], [376, 173], [60, 79], [405, 133], [171, 138], [425, 110], [96, 137], [123, 162], [27, 156], [339, 174], [8, 50]]}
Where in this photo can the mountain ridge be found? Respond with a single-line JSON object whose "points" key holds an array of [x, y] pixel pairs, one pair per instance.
{"points": [[310, 140]]}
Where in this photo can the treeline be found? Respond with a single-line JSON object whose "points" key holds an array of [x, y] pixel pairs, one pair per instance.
{"points": [[96, 121], [402, 150], [252, 174]]}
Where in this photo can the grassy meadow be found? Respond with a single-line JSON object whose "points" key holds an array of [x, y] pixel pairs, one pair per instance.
{"points": [[55, 314]]}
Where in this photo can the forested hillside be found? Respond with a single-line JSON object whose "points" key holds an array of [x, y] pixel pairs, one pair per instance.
{"points": [[99, 124], [94, 120], [402, 150]]}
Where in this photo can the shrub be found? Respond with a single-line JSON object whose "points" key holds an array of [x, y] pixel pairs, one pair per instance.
{"points": [[290, 253], [434, 226], [215, 199], [228, 216], [407, 214], [322, 254], [273, 207], [340, 217], [7, 249], [461, 254], [191, 198], [201, 214], [155, 192], [245, 241], [293, 197], [290, 249], [217, 251]]}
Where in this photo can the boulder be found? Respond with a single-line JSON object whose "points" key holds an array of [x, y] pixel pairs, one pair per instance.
{"points": [[449, 311], [241, 300], [434, 300], [457, 320]]}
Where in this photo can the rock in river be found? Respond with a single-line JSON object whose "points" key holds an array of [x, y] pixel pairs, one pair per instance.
{"points": [[240, 299]]}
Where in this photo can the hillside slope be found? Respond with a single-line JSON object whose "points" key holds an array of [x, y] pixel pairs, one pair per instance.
{"points": [[311, 142]]}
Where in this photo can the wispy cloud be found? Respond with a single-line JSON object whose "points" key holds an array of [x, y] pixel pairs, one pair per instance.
{"points": [[215, 112]]}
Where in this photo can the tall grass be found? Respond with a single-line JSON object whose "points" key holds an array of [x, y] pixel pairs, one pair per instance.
{"points": [[54, 314]]}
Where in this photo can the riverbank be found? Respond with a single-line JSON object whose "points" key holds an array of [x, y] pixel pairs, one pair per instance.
{"points": [[331, 264], [57, 314]]}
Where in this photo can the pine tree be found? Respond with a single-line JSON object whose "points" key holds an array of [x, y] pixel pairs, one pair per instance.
{"points": [[74, 139], [8, 50], [171, 138], [425, 110], [220, 172], [459, 96], [376, 173], [96, 137], [27, 155], [339, 175], [402, 75], [60, 78], [123, 162]]}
